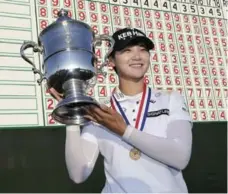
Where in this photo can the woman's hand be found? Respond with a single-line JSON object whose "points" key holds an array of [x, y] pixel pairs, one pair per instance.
{"points": [[107, 117], [55, 94], [102, 115]]}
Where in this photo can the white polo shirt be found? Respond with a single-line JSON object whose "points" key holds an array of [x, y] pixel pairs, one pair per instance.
{"points": [[145, 175]]}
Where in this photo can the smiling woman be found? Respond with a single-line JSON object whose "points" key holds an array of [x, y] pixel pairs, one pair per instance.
{"points": [[127, 135], [130, 58], [132, 62]]}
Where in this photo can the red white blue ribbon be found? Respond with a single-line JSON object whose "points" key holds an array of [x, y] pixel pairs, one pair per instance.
{"points": [[143, 108]]}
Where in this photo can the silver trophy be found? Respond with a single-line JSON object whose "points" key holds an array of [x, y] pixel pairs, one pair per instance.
{"points": [[68, 47]]}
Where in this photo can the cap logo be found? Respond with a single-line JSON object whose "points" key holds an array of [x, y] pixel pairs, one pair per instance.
{"points": [[125, 35]]}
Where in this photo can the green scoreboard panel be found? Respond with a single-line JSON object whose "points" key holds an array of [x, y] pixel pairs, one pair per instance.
{"points": [[190, 53]]}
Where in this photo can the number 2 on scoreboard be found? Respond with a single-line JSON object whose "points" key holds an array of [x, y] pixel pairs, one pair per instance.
{"points": [[51, 121], [50, 104]]}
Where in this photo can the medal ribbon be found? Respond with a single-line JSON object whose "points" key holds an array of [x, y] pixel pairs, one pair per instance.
{"points": [[140, 117]]}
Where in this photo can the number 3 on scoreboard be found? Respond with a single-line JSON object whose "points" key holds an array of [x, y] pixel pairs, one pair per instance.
{"points": [[115, 1], [194, 115], [203, 115]]}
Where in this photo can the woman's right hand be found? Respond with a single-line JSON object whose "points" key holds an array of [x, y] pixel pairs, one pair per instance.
{"points": [[55, 94]]}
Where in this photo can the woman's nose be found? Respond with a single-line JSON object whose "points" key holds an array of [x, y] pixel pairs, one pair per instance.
{"points": [[136, 54]]}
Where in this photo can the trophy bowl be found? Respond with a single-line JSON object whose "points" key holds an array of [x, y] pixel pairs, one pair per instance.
{"points": [[67, 47]]}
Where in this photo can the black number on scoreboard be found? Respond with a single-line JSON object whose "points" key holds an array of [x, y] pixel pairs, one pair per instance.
{"points": [[202, 10], [175, 6], [156, 3], [193, 1], [146, 3], [192, 8], [165, 5], [200, 2], [211, 11], [136, 2], [185, 8], [125, 2], [217, 3], [218, 12]]}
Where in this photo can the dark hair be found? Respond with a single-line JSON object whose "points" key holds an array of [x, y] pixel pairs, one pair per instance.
{"points": [[112, 55]]}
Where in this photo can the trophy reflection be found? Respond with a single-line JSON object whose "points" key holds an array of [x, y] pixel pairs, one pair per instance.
{"points": [[68, 47]]}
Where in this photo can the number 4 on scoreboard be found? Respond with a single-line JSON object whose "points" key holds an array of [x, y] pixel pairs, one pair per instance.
{"points": [[165, 5], [151, 4], [146, 3], [135, 2]]}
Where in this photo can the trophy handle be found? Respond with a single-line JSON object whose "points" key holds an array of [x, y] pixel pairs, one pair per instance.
{"points": [[36, 48], [97, 42]]}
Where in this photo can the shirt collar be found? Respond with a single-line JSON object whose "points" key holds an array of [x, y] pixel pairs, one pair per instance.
{"points": [[122, 97]]}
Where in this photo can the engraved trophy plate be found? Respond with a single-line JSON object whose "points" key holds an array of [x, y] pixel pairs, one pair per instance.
{"points": [[68, 47]]}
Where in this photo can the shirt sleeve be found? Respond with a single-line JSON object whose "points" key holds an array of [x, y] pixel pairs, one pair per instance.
{"points": [[89, 132], [174, 150], [178, 108], [81, 151]]}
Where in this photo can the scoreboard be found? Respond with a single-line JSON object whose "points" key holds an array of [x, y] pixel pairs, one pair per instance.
{"points": [[190, 53]]}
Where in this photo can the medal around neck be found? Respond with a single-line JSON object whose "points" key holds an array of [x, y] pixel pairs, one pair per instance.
{"points": [[68, 47], [135, 154]]}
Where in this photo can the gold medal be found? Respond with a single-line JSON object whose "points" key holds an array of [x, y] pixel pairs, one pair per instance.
{"points": [[135, 154]]}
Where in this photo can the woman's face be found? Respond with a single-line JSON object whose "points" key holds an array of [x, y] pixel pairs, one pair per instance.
{"points": [[132, 62]]}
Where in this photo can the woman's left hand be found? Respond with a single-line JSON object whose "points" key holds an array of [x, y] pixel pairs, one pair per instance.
{"points": [[107, 117]]}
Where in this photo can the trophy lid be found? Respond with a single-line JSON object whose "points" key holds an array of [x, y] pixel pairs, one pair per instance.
{"points": [[63, 16], [63, 20]]}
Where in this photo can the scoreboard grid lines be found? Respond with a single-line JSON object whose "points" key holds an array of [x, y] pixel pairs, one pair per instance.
{"points": [[110, 4], [187, 88], [179, 57], [167, 60]]}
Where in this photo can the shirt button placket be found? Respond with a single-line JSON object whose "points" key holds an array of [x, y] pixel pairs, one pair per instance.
{"points": [[134, 113]]}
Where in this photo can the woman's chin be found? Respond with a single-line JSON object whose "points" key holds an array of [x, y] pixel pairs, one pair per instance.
{"points": [[136, 77]]}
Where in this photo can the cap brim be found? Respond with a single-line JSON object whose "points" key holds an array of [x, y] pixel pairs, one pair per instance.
{"points": [[149, 44]]}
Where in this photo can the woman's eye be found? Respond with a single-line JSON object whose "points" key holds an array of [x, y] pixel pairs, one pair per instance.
{"points": [[127, 50]]}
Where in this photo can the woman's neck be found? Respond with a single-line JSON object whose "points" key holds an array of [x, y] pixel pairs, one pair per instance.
{"points": [[130, 87]]}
